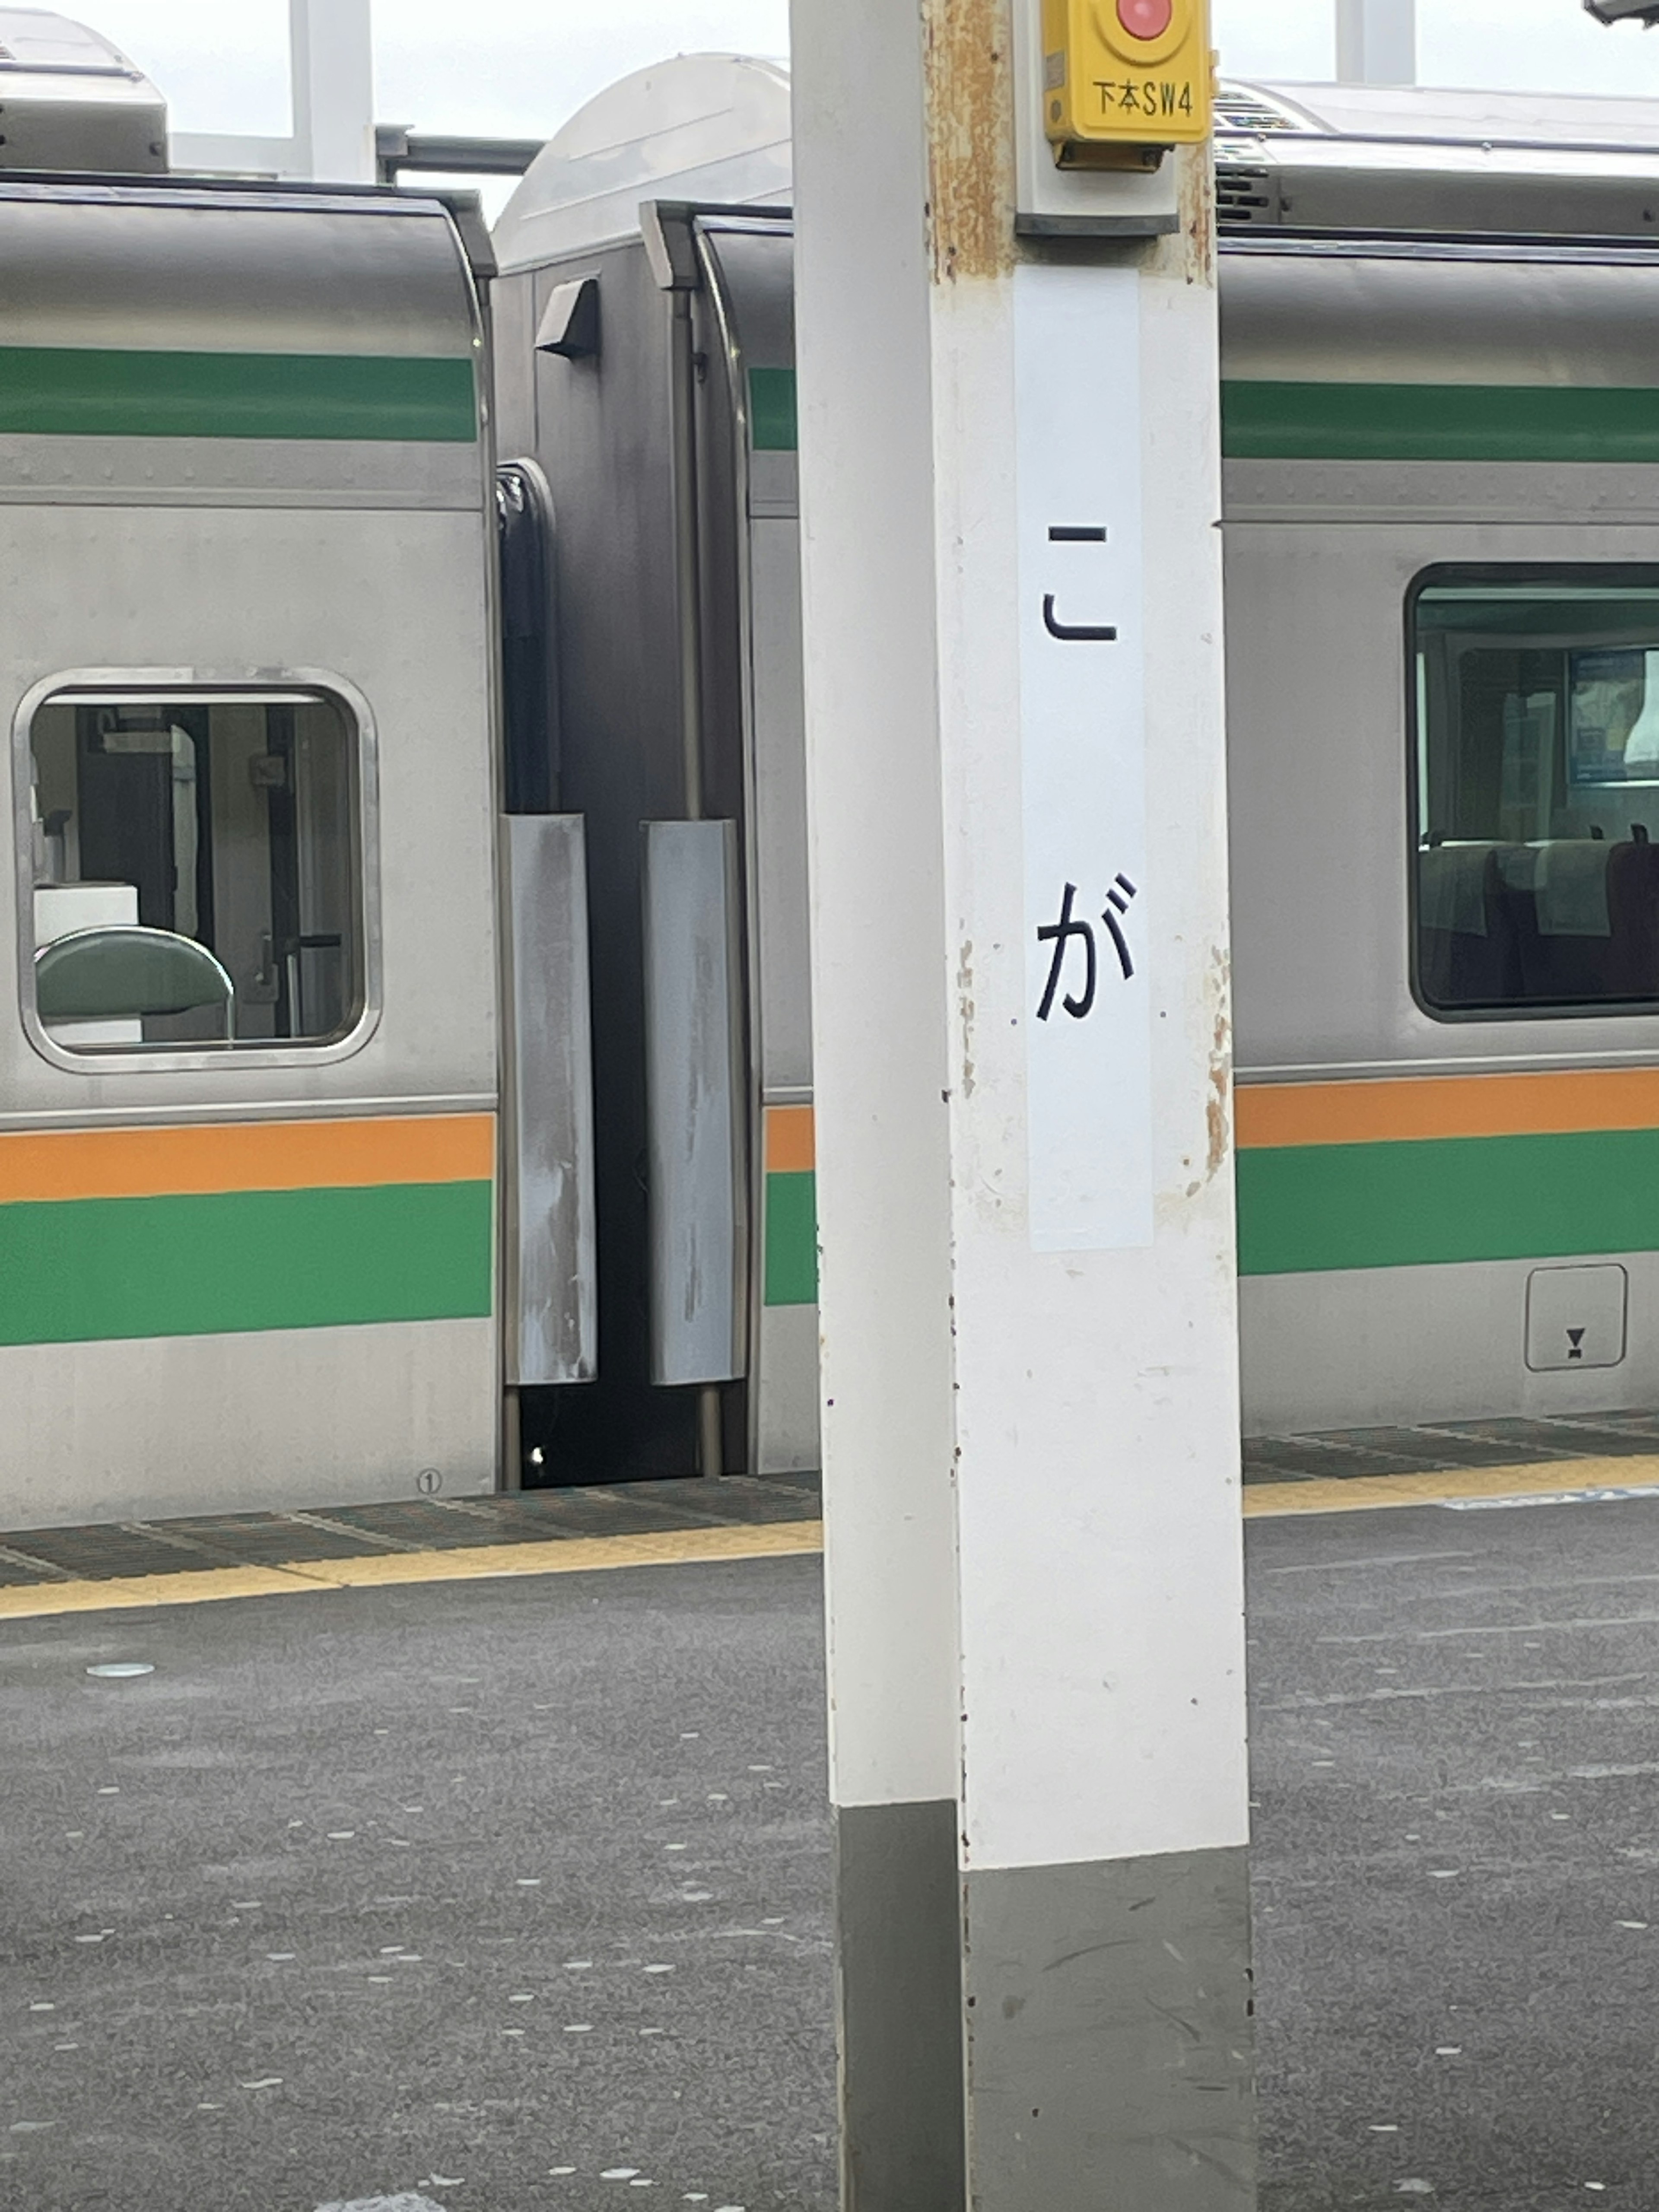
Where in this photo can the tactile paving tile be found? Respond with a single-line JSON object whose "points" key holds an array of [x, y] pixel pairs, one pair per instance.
{"points": [[347, 1532], [1273, 1458], [1524, 1441], [262, 1540], [1441, 1446], [690, 1504], [1292, 1459], [543, 1514], [15, 1573], [98, 1554], [1428, 1451], [425, 1525], [749, 1498], [1645, 1425]]}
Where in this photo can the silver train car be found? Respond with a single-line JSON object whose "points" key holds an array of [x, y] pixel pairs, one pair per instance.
{"points": [[1441, 408], [294, 1091]]}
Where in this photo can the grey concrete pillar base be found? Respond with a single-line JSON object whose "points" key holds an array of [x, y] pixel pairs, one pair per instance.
{"points": [[1102, 2023], [899, 2003], [1110, 2059]]}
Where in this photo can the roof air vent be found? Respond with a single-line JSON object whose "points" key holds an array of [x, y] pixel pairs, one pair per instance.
{"points": [[72, 101], [1245, 196], [1241, 107]]}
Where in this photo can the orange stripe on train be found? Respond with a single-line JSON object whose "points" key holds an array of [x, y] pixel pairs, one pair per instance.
{"points": [[200, 1158], [791, 1147], [1399, 1109]]}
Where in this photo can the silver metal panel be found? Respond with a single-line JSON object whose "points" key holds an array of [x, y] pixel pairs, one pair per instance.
{"points": [[774, 483], [1317, 720], [1386, 320], [149, 1427], [786, 1389], [1398, 1346], [548, 1320], [699, 1211], [1330, 184], [1592, 493], [221, 472], [512, 363], [1576, 1317], [248, 275]]}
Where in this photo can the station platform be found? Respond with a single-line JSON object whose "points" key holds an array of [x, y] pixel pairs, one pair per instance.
{"points": [[110, 1564], [45, 1570], [513, 1890], [1438, 1447]]}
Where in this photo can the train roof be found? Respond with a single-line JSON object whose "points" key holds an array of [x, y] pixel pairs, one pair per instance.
{"points": [[711, 127], [1290, 158], [1418, 160], [73, 101]]}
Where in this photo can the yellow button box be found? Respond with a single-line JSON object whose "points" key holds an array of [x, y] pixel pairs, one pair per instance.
{"points": [[1120, 74]]}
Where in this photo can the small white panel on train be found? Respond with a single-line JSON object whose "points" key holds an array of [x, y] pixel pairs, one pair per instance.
{"points": [[1576, 1317]]}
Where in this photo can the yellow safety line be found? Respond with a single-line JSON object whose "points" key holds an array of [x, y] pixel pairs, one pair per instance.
{"points": [[571, 1555], [568, 1555], [1360, 1493]]}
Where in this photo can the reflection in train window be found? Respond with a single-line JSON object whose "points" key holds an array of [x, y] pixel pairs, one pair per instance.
{"points": [[197, 871], [1536, 789]]}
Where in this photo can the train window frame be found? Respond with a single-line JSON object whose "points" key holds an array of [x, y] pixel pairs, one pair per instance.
{"points": [[205, 686], [1499, 575]]}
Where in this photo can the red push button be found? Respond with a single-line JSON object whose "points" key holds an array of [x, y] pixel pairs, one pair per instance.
{"points": [[1145, 18]]}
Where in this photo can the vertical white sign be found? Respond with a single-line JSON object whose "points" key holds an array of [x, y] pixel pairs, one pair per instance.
{"points": [[1088, 903]]}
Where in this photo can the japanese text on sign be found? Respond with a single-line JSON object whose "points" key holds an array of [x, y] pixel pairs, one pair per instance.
{"points": [[1088, 950]]}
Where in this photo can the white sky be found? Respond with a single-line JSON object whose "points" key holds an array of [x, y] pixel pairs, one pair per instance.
{"points": [[519, 67]]}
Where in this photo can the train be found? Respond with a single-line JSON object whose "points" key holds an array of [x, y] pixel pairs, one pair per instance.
{"points": [[406, 1087], [1440, 416], [295, 1025]]}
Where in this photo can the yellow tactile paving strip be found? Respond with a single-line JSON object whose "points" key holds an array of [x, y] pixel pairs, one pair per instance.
{"points": [[1361, 1493], [573, 1555], [568, 1555]]}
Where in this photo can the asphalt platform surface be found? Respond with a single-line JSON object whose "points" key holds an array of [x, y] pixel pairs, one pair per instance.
{"points": [[501, 1895]]}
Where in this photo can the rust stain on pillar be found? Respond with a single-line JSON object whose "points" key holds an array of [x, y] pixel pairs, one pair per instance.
{"points": [[970, 137], [1197, 195]]}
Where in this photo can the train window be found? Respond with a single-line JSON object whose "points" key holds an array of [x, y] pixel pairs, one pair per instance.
{"points": [[195, 860], [1535, 790]]}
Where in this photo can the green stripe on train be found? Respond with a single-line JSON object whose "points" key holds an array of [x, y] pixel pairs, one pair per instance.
{"points": [[1285, 422], [772, 424], [792, 1240], [1269, 420], [76, 392], [1304, 1209], [73, 1271]]}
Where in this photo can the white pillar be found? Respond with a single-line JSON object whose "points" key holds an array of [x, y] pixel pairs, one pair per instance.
{"points": [[331, 80], [1034, 1545], [333, 76], [1376, 41]]}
